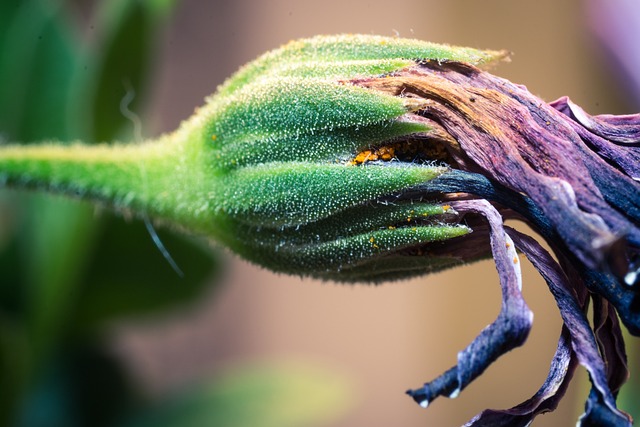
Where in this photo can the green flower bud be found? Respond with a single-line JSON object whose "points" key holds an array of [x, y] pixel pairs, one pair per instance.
{"points": [[292, 164]]}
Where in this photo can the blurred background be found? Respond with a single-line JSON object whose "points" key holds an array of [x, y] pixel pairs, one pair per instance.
{"points": [[97, 329]]}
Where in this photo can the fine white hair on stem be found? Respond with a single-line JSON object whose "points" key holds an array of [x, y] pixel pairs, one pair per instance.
{"points": [[126, 100]]}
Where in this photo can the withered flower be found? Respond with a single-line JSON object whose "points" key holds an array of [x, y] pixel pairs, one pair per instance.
{"points": [[574, 179], [361, 158]]}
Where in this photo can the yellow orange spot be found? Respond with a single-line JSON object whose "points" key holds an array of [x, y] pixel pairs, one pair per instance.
{"points": [[214, 137], [515, 259], [408, 150]]}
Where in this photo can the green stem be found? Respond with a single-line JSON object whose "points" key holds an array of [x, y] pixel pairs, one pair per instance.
{"points": [[105, 172], [155, 177]]}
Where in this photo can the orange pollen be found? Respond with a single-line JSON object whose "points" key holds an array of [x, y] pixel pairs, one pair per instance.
{"points": [[405, 150]]}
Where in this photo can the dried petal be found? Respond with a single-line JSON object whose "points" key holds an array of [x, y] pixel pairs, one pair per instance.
{"points": [[601, 404], [508, 331], [546, 398]]}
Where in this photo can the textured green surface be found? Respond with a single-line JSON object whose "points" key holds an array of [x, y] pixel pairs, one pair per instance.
{"points": [[349, 56], [270, 153]]}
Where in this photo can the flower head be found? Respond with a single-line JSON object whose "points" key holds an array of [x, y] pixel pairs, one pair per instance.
{"points": [[361, 158]]}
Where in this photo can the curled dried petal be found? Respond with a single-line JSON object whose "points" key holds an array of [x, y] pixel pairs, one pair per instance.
{"points": [[601, 404], [508, 331]]}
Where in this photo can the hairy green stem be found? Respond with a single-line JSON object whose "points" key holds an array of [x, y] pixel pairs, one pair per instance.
{"points": [[149, 177]]}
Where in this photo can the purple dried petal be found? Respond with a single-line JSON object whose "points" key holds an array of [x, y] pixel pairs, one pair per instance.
{"points": [[546, 398], [549, 143], [614, 138], [575, 179], [623, 298], [607, 378], [598, 414], [601, 404], [508, 331], [624, 129], [514, 138], [611, 342]]}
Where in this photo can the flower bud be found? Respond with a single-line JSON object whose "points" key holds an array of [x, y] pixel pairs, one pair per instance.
{"points": [[275, 165], [284, 142]]}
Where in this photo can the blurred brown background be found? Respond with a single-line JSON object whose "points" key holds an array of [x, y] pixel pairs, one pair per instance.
{"points": [[383, 339]]}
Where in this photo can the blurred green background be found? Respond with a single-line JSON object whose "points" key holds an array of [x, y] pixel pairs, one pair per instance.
{"points": [[97, 329]]}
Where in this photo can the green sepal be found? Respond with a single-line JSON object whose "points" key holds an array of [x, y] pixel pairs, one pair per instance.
{"points": [[338, 145], [271, 120], [345, 53], [290, 194], [354, 244]]}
